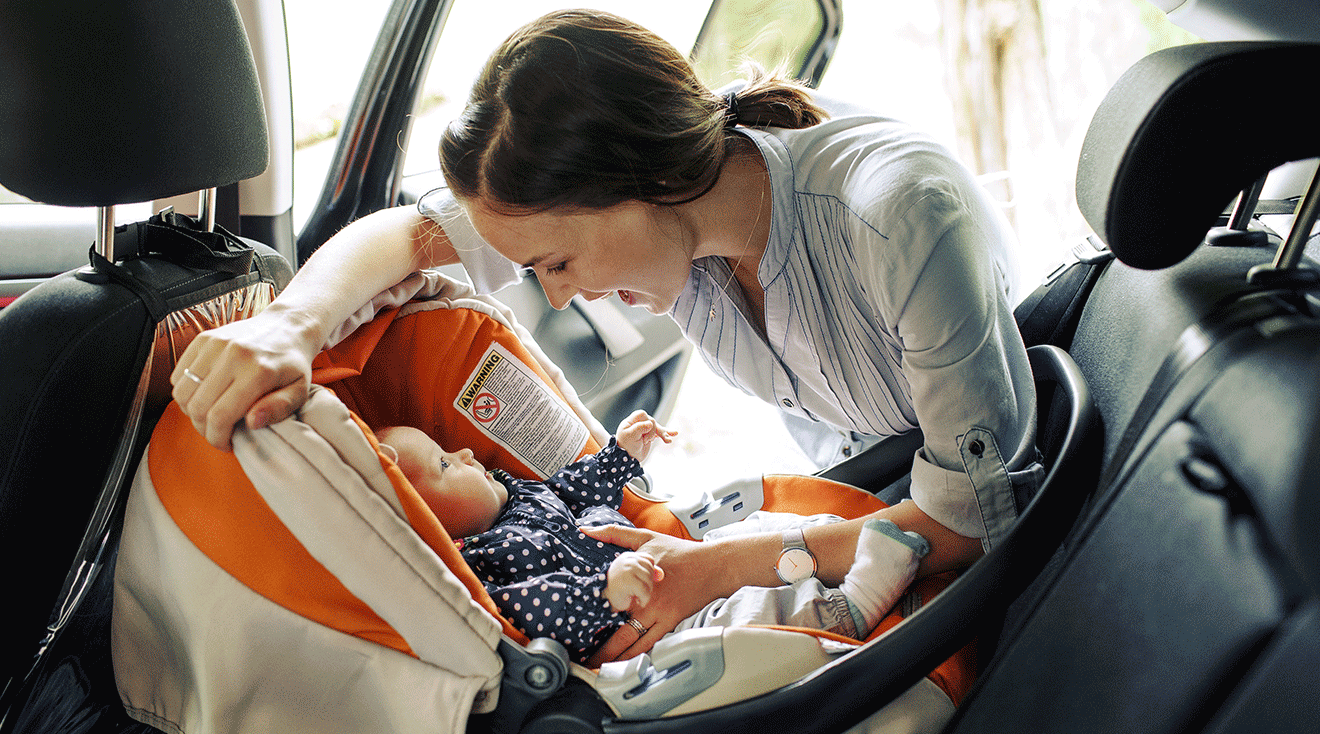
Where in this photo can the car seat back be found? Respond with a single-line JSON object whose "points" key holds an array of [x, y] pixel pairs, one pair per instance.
{"points": [[91, 118], [1185, 598]]}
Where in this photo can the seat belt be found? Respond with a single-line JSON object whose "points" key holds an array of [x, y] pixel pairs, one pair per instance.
{"points": [[1050, 313]]}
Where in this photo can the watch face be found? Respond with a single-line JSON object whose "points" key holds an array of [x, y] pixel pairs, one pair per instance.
{"points": [[795, 564]]}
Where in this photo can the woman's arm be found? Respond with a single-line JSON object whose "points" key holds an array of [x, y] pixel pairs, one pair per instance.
{"points": [[699, 573], [260, 368]]}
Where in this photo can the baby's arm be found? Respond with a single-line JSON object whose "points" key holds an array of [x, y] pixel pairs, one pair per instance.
{"points": [[561, 605], [595, 479], [639, 431], [630, 580]]}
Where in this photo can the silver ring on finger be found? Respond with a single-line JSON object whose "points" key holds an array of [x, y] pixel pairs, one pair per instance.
{"points": [[641, 630], [189, 374]]}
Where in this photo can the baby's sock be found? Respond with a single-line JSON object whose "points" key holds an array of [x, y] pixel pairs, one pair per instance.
{"points": [[885, 564]]}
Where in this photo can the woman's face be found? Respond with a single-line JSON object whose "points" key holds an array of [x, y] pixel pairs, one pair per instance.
{"points": [[637, 250]]}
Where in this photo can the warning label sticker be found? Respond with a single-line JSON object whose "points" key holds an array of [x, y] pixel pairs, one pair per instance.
{"points": [[511, 404]]}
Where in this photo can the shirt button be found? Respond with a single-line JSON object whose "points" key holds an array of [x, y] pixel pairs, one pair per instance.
{"points": [[787, 403], [847, 451]]}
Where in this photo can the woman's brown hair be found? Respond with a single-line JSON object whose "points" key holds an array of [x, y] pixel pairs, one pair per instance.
{"points": [[582, 108]]}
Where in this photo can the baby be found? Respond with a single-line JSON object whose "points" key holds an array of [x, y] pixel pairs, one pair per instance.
{"points": [[549, 579]]}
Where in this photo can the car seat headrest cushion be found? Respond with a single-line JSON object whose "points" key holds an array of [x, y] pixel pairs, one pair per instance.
{"points": [[112, 103], [1181, 133]]}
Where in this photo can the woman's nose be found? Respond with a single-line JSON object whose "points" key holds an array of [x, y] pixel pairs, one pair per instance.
{"points": [[558, 294]]}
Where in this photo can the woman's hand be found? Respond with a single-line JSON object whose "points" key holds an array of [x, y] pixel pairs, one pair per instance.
{"points": [[630, 580], [686, 587], [258, 369], [638, 432]]}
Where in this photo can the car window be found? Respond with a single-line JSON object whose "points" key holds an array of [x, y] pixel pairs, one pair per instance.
{"points": [[777, 34], [329, 44], [1051, 67], [476, 27]]}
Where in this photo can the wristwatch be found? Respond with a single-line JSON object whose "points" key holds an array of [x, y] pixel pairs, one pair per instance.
{"points": [[795, 563]]}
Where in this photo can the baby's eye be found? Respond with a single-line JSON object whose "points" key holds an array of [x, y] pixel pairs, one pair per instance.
{"points": [[561, 267], [444, 464]]}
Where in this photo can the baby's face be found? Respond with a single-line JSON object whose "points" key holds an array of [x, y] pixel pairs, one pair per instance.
{"points": [[455, 486]]}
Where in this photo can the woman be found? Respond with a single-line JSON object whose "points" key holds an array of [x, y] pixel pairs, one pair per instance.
{"points": [[848, 271]]}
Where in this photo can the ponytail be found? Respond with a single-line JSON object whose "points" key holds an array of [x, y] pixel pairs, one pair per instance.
{"points": [[772, 100]]}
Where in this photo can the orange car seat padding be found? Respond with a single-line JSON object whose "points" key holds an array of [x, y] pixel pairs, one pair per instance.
{"points": [[380, 369], [955, 675], [211, 500], [350, 356], [409, 372]]}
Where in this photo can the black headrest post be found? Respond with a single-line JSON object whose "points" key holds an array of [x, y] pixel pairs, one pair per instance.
{"points": [[105, 232], [1240, 219], [206, 208], [1284, 271], [1290, 254]]}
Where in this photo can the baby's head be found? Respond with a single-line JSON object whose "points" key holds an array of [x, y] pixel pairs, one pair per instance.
{"points": [[456, 487]]}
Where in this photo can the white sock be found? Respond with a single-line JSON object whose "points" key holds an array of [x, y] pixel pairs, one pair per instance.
{"points": [[885, 564]]}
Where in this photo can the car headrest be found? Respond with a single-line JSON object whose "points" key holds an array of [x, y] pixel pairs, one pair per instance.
{"points": [[1184, 131], [128, 101]]}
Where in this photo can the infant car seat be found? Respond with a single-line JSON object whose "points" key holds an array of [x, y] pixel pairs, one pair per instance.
{"points": [[300, 583]]}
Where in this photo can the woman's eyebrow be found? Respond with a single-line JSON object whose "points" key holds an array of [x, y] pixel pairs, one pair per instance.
{"points": [[535, 261]]}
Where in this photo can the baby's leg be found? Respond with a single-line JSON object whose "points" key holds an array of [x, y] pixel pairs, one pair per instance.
{"points": [[885, 564], [807, 604]]}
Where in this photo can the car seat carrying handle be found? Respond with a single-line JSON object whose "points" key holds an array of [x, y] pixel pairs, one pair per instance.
{"points": [[846, 690]]}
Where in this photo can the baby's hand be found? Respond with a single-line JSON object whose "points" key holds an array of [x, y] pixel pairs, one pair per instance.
{"points": [[638, 431], [630, 579]]}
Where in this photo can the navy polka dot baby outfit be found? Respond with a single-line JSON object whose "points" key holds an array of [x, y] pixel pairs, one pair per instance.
{"points": [[546, 577]]}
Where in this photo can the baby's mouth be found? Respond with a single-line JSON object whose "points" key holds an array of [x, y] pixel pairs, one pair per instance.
{"points": [[626, 297]]}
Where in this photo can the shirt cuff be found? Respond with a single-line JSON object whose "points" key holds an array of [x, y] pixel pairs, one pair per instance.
{"points": [[947, 496]]}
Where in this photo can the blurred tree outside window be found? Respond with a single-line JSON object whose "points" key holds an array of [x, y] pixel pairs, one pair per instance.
{"points": [[776, 34], [1023, 79]]}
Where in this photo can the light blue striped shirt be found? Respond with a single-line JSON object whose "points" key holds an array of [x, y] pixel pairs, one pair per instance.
{"points": [[887, 304], [886, 280]]}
